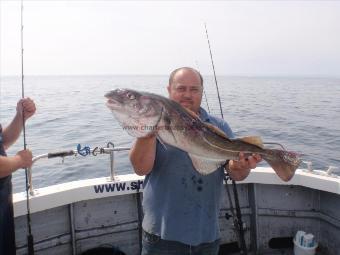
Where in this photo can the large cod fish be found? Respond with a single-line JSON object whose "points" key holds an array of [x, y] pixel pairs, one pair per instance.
{"points": [[142, 113]]}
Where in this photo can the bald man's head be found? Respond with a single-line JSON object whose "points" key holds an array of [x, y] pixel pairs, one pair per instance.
{"points": [[181, 69], [186, 88]]}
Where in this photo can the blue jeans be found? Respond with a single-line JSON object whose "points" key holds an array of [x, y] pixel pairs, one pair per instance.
{"points": [[154, 245]]}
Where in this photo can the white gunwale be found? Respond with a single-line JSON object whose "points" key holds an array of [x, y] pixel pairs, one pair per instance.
{"points": [[71, 192]]}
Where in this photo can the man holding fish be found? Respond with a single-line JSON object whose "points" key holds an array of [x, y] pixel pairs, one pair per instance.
{"points": [[183, 151], [181, 206]]}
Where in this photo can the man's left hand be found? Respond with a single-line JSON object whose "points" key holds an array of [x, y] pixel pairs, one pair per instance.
{"points": [[240, 169]]}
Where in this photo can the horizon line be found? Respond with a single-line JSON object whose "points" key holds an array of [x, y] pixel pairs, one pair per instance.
{"points": [[226, 75]]}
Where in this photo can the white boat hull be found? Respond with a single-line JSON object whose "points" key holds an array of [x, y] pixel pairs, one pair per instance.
{"points": [[73, 217]]}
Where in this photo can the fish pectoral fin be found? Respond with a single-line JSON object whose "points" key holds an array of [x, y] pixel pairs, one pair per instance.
{"points": [[203, 165], [256, 140], [192, 114]]}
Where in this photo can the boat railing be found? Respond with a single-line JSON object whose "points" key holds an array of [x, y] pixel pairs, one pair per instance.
{"points": [[331, 171], [86, 151], [111, 149]]}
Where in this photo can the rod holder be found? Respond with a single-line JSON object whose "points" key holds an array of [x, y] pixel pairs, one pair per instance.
{"points": [[110, 149], [332, 169]]}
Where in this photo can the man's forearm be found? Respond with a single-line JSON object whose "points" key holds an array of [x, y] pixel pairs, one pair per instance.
{"points": [[8, 165], [12, 132], [142, 155]]}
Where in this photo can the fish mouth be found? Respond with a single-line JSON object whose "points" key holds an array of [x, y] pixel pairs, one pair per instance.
{"points": [[114, 93], [110, 94], [111, 101], [114, 101], [112, 104]]}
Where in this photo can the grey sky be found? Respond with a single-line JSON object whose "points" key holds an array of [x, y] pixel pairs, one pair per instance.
{"points": [[111, 37]]}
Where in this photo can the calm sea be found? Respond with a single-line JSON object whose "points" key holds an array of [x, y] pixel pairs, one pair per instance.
{"points": [[301, 113]]}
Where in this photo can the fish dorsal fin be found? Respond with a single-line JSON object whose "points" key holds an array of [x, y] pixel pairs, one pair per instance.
{"points": [[256, 140], [192, 114], [215, 130]]}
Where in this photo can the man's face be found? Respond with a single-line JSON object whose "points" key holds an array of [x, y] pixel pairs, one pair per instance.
{"points": [[186, 89]]}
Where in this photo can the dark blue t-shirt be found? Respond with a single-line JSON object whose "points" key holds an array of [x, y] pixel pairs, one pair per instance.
{"points": [[179, 203], [7, 240]]}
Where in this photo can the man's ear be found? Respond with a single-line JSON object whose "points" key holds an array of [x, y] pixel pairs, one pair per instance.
{"points": [[169, 88]]}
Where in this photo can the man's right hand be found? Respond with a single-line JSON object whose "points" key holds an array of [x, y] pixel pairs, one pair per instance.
{"points": [[24, 158]]}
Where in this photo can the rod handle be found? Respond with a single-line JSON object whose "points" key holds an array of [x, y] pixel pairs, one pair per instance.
{"points": [[60, 154]]}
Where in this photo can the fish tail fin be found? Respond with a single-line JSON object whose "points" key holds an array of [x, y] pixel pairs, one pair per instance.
{"points": [[283, 162]]}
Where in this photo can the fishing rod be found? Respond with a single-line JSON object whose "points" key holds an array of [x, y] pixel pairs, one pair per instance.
{"points": [[30, 242], [213, 66], [238, 224]]}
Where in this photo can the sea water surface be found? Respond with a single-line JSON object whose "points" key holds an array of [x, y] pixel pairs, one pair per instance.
{"points": [[303, 114]]}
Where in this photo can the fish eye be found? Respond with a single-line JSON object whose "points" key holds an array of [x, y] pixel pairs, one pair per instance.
{"points": [[130, 96]]}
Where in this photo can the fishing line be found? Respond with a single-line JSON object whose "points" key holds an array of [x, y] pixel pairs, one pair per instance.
{"points": [[238, 224], [278, 144], [30, 242], [205, 94]]}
